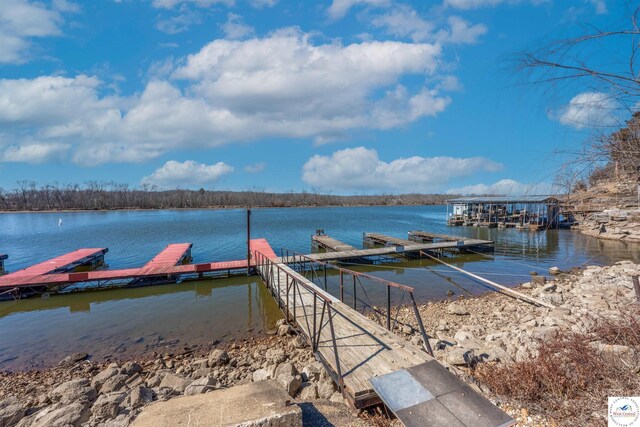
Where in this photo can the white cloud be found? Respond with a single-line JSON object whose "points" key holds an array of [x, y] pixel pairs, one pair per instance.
{"points": [[600, 5], [590, 109], [187, 174], [261, 4], [461, 32], [178, 23], [281, 86], [33, 153], [504, 187], [339, 8], [476, 4], [255, 168], [235, 28], [404, 21], [360, 169], [20, 21], [170, 4]]}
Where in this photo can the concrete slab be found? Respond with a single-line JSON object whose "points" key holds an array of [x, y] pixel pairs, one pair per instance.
{"points": [[263, 403]]}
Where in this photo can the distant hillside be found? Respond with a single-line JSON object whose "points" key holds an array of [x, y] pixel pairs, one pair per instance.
{"points": [[97, 196]]}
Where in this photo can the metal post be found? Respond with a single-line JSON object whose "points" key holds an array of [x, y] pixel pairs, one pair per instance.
{"points": [[388, 307], [335, 350], [427, 345], [354, 291], [636, 286], [314, 338], [325, 276], [294, 299], [341, 287], [248, 240]]}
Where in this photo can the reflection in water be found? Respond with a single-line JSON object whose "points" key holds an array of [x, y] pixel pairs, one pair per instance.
{"points": [[122, 321], [42, 331]]}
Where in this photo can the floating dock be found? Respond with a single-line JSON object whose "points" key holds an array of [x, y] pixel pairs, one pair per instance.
{"points": [[329, 244], [384, 240], [420, 236], [56, 275]]}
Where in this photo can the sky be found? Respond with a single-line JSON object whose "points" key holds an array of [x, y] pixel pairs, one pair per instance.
{"points": [[339, 97]]}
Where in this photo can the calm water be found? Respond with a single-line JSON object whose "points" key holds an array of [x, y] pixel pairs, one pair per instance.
{"points": [[41, 331]]}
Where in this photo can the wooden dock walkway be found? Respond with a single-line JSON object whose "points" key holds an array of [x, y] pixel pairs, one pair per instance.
{"points": [[173, 254], [370, 363], [383, 239], [330, 244], [363, 350], [425, 237], [413, 247]]}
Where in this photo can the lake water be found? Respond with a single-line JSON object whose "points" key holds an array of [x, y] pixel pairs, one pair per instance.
{"points": [[39, 332]]}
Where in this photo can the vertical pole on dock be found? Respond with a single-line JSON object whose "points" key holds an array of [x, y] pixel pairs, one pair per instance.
{"points": [[354, 292], [248, 240], [388, 307], [325, 276], [341, 287]]}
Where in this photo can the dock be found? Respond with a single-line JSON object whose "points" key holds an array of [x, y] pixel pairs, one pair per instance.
{"points": [[57, 275], [174, 254], [359, 353], [384, 240], [329, 244], [425, 237]]}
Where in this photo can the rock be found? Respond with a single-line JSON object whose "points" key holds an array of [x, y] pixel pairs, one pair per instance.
{"points": [[174, 382], [526, 285], [326, 388], [458, 356], [297, 342], [201, 385], [58, 415], [291, 383], [261, 375], [285, 329], [417, 341], [312, 371], [11, 411], [73, 358], [103, 376], [114, 383], [538, 280], [457, 309], [309, 391], [73, 391], [407, 329], [285, 368], [551, 287], [554, 271], [275, 355], [218, 357], [337, 397], [107, 406], [463, 335], [139, 396], [131, 368]]}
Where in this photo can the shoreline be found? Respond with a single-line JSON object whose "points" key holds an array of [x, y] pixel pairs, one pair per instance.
{"points": [[214, 208]]}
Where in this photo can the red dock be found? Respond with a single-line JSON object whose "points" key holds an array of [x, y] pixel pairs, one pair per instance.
{"points": [[162, 265], [63, 263], [174, 254]]}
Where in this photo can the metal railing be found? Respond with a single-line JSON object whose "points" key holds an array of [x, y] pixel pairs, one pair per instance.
{"points": [[273, 274], [303, 264]]}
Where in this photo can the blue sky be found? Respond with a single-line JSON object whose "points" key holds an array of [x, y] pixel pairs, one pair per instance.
{"points": [[342, 96]]}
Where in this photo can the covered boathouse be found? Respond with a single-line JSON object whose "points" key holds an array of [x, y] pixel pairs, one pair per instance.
{"points": [[525, 212]]}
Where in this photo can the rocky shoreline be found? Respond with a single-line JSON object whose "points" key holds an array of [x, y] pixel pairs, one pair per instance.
{"points": [[82, 392], [491, 328], [613, 224]]}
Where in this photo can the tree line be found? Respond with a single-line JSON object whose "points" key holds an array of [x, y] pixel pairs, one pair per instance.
{"points": [[95, 195]]}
